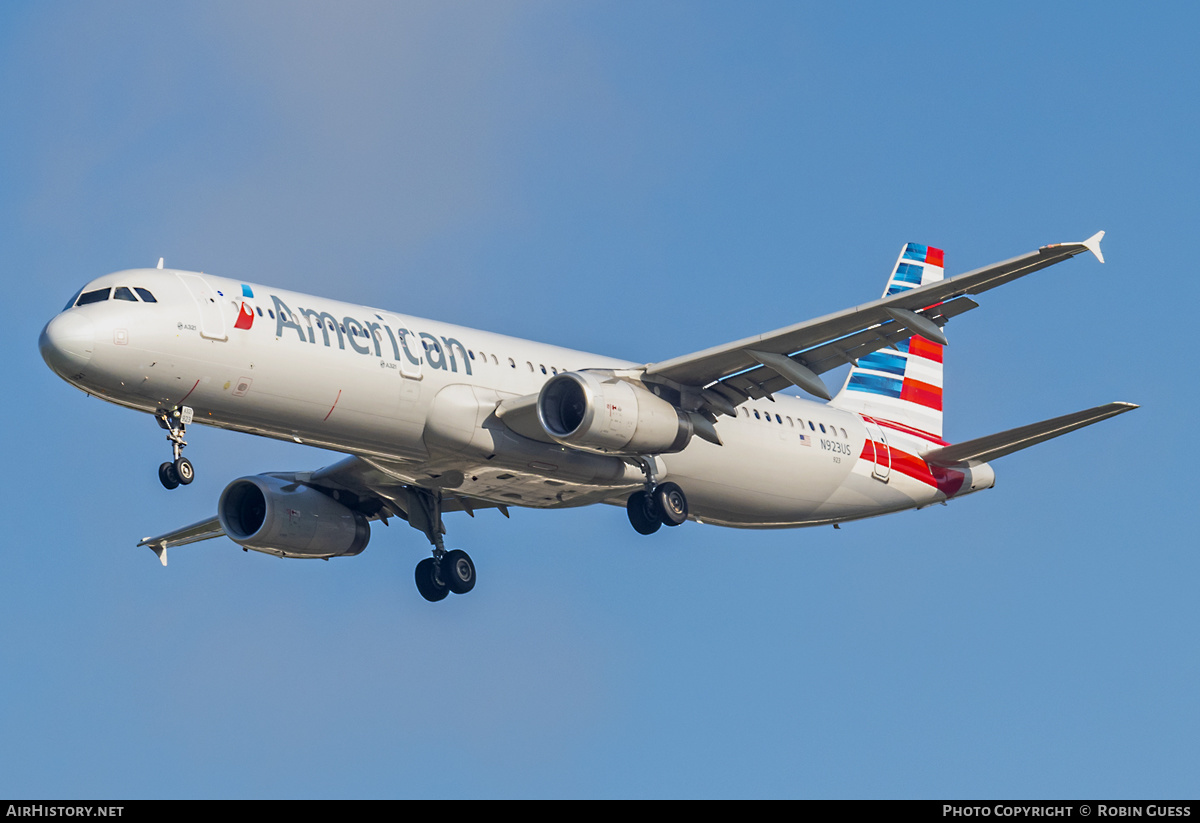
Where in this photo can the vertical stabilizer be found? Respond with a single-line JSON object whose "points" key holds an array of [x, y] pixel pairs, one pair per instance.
{"points": [[902, 384]]}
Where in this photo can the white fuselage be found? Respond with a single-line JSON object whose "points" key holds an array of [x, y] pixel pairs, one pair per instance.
{"points": [[420, 395]]}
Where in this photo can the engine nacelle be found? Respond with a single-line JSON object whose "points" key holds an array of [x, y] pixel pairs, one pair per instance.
{"points": [[275, 516], [586, 411]]}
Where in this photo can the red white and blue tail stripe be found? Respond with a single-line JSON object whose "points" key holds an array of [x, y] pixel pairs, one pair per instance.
{"points": [[902, 384]]}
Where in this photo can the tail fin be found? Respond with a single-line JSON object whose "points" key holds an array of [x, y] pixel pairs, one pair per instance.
{"points": [[904, 384]]}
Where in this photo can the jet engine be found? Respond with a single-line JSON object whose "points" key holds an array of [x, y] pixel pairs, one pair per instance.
{"points": [[279, 517], [608, 414]]}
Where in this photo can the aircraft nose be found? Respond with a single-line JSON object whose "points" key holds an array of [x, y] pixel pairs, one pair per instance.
{"points": [[67, 343]]}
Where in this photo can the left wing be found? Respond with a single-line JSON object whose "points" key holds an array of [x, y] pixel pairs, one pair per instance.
{"points": [[204, 530], [758, 366], [377, 488], [993, 446]]}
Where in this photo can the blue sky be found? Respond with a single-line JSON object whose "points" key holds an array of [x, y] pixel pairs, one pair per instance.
{"points": [[640, 180]]}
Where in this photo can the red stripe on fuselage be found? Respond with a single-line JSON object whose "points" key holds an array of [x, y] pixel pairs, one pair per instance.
{"points": [[947, 481], [900, 427]]}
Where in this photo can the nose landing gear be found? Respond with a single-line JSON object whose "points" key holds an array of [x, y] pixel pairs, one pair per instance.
{"points": [[179, 471]]}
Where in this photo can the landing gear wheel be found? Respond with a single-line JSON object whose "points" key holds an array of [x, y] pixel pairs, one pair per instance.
{"points": [[184, 471], [642, 516], [458, 571], [671, 504], [179, 472], [430, 582]]}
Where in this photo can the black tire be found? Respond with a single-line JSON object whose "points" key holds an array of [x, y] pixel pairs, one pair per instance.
{"points": [[642, 516], [671, 504], [458, 571], [184, 471], [168, 476], [430, 583]]}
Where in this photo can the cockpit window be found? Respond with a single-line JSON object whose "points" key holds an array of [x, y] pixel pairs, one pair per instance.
{"points": [[97, 296], [71, 302], [146, 296], [123, 293]]}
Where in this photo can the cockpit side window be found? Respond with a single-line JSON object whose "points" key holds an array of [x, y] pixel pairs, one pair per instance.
{"points": [[71, 302], [146, 296], [123, 293], [97, 296]]}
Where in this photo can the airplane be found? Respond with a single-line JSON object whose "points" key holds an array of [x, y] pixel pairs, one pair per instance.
{"points": [[436, 418]]}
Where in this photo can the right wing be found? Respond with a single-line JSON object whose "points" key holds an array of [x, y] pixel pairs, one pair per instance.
{"points": [[759, 366]]}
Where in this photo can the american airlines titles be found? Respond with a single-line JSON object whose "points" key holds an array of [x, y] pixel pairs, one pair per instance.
{"points": [[365, 337]]}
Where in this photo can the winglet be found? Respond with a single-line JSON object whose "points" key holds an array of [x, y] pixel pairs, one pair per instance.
{"points": [[159, 547], [1092, 244]]}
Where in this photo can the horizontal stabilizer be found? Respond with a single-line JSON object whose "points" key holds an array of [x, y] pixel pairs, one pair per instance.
{"points": [[983, 449]]}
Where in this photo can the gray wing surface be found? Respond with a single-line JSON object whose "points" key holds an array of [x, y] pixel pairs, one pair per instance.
{"points": [[753, 367], [204, 530], [379, 487], [993, 446]]}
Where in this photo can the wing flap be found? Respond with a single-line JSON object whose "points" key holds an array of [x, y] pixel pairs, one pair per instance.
{"points": [[983, 449]]}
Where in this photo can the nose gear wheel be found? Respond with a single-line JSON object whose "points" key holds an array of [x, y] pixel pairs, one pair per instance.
{"points": [[179, 471]]}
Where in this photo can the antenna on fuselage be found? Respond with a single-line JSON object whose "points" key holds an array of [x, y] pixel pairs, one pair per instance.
{"points": [[160, 262]]}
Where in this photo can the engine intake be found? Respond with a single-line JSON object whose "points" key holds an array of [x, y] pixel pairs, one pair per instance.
{"points": [[587, 411], [275, 516]]}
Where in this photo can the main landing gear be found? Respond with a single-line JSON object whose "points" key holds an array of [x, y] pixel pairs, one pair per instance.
{"points": [[177, 472], [659, 504], [447, 571]]}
